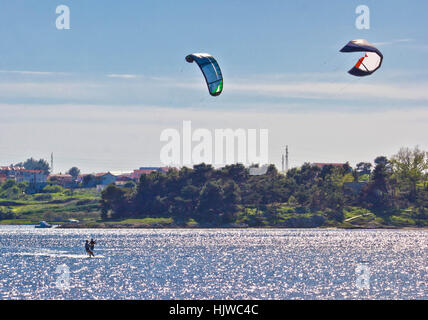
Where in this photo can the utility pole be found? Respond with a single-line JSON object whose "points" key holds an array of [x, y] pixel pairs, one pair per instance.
{"points": [[282, 160], [286, 158]]}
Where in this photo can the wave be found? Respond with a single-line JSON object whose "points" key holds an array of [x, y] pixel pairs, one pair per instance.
{"points": [[56, 254]]}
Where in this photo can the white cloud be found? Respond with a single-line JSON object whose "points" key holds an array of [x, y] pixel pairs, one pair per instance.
{"points": [[123, 76], [385, 43], [333, 86], [51, 90], [331, 90], [34, 73]]}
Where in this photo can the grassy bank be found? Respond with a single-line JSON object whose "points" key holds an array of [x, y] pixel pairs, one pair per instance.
{"points": [[58, 207], [286, 216], [281, 216]]}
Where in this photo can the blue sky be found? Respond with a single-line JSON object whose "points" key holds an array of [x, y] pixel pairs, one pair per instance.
{"points": [[98, 95], [147, 37]]}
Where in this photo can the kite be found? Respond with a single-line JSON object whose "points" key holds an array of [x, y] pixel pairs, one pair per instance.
{"points": [[211, 71], [368, 64]]}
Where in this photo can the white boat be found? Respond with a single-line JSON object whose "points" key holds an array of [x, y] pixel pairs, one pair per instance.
{"points": [[44, 224]]}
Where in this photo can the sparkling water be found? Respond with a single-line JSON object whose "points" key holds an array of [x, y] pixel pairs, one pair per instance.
{"points": [[213, 264]]}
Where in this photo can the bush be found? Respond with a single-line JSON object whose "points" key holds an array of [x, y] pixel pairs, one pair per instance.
{"points": [[83, 202], [43, 197], [292, 200], [53, 189], [302, 210], [8, 184], [68, 192], [6, 213], [130, 185], [11, 193], [337, 215], [304, 222]]}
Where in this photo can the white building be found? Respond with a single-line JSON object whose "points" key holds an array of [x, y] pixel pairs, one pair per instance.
{"points": [[31, 176]]}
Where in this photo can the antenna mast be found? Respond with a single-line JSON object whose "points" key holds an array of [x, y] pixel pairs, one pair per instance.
{"points": [[286, 158], [282, 160]]}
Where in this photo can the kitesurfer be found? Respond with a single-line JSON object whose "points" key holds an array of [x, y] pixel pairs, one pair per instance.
{"points": [[88, 249]]}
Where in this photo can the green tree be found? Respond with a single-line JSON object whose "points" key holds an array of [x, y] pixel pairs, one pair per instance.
{"points": [[363, 168], [210, 204], [89, 181], [74, 172], [114, 203], [231, 200], [409, 166], [32, 164], [378, 192]]}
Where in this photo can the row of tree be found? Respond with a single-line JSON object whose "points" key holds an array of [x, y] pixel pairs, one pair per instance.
{"points": [[214, 195]]}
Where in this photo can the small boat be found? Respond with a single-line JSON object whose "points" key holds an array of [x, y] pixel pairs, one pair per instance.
{"points": [[44, 224]]}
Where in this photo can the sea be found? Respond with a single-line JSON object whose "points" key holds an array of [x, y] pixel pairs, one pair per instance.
{"points": [[268, 264]]}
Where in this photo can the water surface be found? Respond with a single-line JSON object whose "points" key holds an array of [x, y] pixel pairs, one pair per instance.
{"points": [[212, 264]]}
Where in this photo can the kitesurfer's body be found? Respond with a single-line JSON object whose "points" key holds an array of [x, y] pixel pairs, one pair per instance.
{"points": [[92, 245], [88, 249]]}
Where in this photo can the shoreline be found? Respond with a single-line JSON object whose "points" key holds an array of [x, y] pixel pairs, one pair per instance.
{"points": [[139, 226], [248, 228]]}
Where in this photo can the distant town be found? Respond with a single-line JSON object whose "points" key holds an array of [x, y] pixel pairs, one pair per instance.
{"points": [[38, 179]]}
